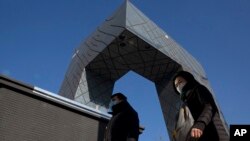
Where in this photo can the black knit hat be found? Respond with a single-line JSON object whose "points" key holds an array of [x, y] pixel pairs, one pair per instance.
{"points": [[186, 75], [120, 96]]}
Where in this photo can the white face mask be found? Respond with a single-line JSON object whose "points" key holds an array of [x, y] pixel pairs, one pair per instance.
{"points": [[113, 103], [180, 87]]}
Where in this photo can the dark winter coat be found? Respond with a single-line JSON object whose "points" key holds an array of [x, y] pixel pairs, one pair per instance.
{"points": [[204, 110], [123, 124]]}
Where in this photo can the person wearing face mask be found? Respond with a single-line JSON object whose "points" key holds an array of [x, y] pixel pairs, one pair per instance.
{"points": [[124, 124], [207, 124]]}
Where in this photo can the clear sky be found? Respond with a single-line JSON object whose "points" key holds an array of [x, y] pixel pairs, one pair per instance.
{"points": [[38, 38]]}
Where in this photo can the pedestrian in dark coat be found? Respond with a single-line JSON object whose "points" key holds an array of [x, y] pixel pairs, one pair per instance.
{"points": [[207, 124], [124, 124]]}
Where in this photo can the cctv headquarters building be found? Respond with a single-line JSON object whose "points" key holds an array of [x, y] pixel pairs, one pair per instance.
{"points": [[125, 41]]}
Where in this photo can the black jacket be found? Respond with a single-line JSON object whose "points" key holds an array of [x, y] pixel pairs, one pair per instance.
{"points": [[202, 107], [123, 124], [204, 110]]}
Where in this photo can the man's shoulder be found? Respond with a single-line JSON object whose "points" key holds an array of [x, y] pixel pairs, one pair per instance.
{"points": [[130, 111]]}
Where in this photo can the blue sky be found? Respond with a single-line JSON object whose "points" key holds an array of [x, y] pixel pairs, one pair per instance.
{"points": [[38, 38]]}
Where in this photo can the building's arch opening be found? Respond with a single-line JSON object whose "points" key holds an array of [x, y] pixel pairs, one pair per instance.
{"points": [[142, 95]]}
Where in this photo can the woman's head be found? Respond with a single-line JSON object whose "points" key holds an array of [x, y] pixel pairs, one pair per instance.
{"points": [[179, 83], [183, 81]]}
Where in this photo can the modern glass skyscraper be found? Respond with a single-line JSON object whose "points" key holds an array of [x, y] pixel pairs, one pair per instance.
{"points": [[128, 40]]}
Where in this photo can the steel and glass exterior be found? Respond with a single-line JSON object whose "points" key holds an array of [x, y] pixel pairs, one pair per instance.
{"points": [[129, 41]]}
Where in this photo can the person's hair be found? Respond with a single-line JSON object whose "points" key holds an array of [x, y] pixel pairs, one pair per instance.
{"points": [[120, 96]]}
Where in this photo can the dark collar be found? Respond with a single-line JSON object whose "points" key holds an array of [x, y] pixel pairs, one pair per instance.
{"points": [[120, 107]]}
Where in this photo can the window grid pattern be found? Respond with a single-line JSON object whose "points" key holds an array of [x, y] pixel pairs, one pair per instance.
{"points": [[128, 40]]}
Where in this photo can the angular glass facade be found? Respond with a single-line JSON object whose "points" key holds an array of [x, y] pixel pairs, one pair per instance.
{"points": [[128, 40]]}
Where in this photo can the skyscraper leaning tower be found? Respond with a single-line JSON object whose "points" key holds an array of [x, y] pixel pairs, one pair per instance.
{"points": [[128, 40]]}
